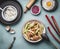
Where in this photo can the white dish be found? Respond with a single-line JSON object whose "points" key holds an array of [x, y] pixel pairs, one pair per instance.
{"points": [[49, 5], [38, 11], [9, 13], [44, 31], [46, 2]]}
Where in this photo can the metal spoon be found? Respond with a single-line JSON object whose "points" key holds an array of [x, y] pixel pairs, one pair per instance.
{"points": [[12, 43], [45, 37]]}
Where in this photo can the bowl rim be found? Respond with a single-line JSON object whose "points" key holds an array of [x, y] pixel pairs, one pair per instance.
{"points": [[28, 39], [36, 13], [54, 8], [3, 16]]}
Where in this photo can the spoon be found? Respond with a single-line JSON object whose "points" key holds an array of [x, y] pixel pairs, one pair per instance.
{"points": [[12, 43], [45, 37]]}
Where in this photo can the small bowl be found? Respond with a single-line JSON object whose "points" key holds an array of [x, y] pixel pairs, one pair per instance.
{"points": [[4, 13], [53, 9], [44, 31], [36, 13]]}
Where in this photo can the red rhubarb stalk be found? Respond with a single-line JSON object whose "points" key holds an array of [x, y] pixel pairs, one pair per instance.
{"points": [[52, 25], [53, 35], [55, 23]]}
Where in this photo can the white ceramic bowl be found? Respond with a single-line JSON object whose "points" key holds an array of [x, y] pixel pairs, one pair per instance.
{"points": [[4, 16], [44, 31], [38, 11]]}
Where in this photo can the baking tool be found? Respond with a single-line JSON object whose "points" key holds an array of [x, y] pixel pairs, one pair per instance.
{"points": [[53, 35], [52, 24], [15, 5], [12, 43], [49, 5], [55, 23], [28, 6]]}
